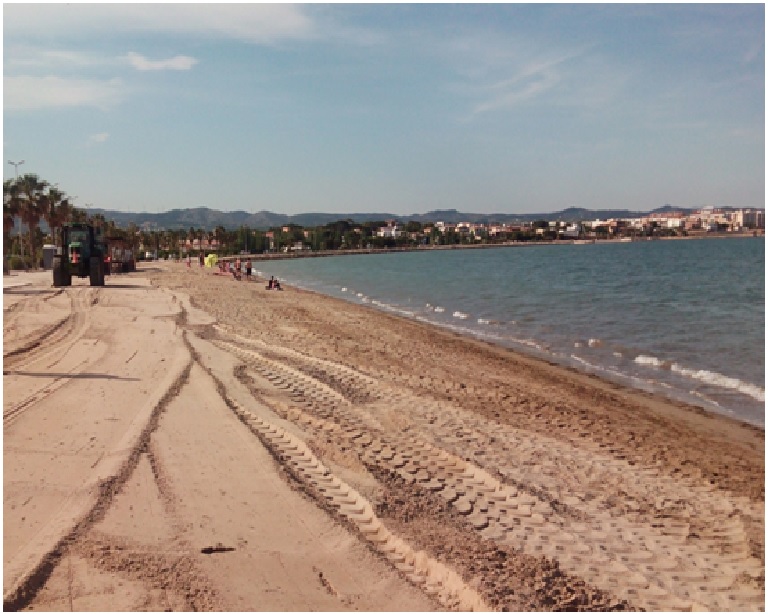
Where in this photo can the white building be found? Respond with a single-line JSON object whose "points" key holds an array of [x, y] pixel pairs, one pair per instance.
{"points": [[390, 231]]}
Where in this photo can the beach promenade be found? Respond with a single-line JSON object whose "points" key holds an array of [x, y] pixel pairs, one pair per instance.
{"points": [[180, 440]]}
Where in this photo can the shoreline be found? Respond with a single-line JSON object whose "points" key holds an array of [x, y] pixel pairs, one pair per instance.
{"points": [[696, 380], [564, 362], [543, 361]]}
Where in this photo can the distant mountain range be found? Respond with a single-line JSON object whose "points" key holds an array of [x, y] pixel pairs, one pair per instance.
{"points": [[208, 219]]}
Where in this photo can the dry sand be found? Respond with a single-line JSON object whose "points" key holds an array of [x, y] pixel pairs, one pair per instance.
{"points": [[179, 440]]}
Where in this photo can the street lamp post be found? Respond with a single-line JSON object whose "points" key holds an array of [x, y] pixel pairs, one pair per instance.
{"points": [[16, 166]]}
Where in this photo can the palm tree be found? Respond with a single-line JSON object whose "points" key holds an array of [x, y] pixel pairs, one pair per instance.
{"points": [[11, 208], [57, 209], [78, 215], [11, 204], [32, 191]]}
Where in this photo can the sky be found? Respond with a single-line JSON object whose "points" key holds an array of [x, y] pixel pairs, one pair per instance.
{"points": [[396, 108]]}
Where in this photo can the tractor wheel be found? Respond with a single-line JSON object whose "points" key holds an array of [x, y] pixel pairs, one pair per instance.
{"points": [[94, 271], [66, 274], [58, 272]]}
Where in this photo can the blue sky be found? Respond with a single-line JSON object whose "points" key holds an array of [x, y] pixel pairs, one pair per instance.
{"points": [[396, 108]]}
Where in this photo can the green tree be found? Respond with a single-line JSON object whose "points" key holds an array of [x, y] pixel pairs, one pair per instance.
{"points": [[32, 190], [11, 209], [56, 210]]}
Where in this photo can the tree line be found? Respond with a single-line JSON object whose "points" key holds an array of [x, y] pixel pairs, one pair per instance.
{"points": [[31, 200]]}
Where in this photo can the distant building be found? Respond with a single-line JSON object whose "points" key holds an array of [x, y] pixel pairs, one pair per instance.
{"points": [[390, 231]]}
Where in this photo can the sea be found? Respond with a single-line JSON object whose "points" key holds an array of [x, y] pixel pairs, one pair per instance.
{"points": [[681, 318]]}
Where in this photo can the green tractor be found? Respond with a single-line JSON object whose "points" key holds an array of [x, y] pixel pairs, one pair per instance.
{"points": [[81, 253]]}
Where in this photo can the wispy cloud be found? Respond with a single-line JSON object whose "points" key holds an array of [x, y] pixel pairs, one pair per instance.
{"points": [[518, 91], [97, 138], [529, 82], [42, 58], [179, 62], [256, 23], [27, 93]]}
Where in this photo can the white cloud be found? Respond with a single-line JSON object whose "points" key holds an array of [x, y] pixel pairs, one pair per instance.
{"points": [[256, 23], [25, 93], [179, 62], [99, 137]]}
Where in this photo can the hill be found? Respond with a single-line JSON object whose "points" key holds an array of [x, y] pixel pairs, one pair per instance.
{"points": [[208, 219]]}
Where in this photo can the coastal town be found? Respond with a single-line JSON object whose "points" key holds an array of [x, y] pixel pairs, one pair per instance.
{"points": [[345, 235]]}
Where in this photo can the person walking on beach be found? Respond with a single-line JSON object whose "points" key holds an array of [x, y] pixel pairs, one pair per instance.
{"points": [[248, 270], [202, 260]]}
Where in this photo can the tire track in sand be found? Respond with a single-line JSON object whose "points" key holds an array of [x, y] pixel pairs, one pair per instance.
{"points": [[434, 578], [647, 565], [29, 570], [50, 344]]}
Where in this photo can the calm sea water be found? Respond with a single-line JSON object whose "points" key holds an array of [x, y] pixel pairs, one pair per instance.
{"points": [[681, 318]]}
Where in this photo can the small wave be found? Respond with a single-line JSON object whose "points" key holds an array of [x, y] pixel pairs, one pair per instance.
{"points": [[360, 295], [483, 321], [722, 381], [460, 314], [577, 344], [532, 344], [696, 393], [652, 361], [586, 363], [618, 354], [710, 378], [594, 343], [343, 289], [439, 309], [365, 299]]}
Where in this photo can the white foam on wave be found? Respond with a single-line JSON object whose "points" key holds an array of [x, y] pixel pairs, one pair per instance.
{"points": [[343, 289], [708, 377], [439, 309], [594, 343], [483, 321], [460, 314], [652, 361], [722, 381], [586, 363]]}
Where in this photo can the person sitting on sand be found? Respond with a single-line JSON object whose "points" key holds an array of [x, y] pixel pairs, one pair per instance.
{"points": [[276, 285]]}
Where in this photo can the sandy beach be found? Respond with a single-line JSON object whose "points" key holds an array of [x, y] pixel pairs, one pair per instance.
{"points": [[179, 440]]}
